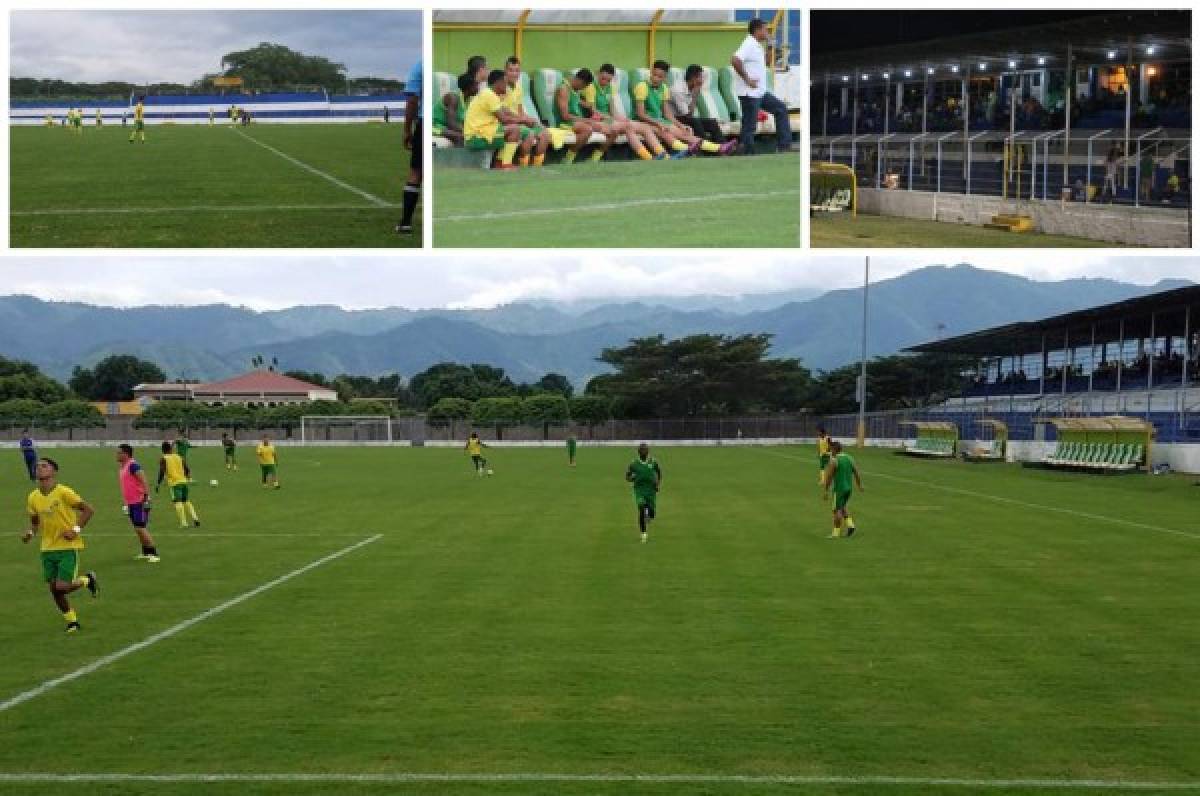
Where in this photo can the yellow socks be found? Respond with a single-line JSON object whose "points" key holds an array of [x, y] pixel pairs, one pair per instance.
{"points": [[180, 513], [506, 153], [569, 156], [598, 155], [539, 160], [709, 146], [192, 511], [69, 616], [849, 521], [679, 146], [659, 150], [643, 154], [523, 161], [82, 581]]}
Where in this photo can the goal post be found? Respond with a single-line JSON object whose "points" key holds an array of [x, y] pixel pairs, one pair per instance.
{"points": [[832, 188], [346, 429]]}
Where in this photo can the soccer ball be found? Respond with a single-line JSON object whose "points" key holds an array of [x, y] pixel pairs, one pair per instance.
{"points": [[212, 482], [491, 472]]}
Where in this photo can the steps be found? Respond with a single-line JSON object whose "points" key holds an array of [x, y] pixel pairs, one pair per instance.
{"points": [[1011, 223]]}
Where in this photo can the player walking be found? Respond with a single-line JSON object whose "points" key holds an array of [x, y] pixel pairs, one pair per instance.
{"points": [[173, 468], [230, 448], [139, 121], [136, 494], [268, 463], [646, 477], [822, 454], [842, 475], [571, 445]]}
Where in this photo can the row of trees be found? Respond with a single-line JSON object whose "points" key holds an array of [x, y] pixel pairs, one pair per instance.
{"points": [[184, 414]]}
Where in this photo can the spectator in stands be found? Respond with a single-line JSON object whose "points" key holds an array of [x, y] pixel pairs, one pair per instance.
{"points": [[569, 105], [414, 115], [685, 109], [1111, 162], [598, 101], [651, 103], [750, 84]]}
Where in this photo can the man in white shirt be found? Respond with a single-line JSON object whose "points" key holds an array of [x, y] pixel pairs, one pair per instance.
{"points": [[750, 84]]}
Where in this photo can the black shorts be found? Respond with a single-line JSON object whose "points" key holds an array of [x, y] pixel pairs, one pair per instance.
{"points": [[415, 161]]}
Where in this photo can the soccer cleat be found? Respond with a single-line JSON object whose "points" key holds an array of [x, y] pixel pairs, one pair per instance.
{"points": [[141, 557], [404, 229], [728, 148], [152, 559], [644, 537], [662, 156], [73, 627], [683, 153], [850, 529], [504, 167], [93, 585], [693, 147]]}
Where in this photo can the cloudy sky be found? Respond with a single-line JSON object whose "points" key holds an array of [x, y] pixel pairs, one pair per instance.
{"points": [[275, 281], [181, 46]]}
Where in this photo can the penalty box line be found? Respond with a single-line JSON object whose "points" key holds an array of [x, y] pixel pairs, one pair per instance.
{"points": [[399, 778], [1013, 502], [679, 200], [370, 197], [100, 663]]}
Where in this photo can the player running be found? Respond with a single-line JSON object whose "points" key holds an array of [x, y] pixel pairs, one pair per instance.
{"points": [[173, 468], [822, 454], [842, 475], [230, 448], [139, 120], [60, 515], [183, 447], [29, 454], [474, 449], [571, 445], [268, 463], [136, 494], [646, 477]]}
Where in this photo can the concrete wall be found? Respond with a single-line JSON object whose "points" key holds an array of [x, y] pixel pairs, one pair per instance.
{"points": [[1144, 226]]}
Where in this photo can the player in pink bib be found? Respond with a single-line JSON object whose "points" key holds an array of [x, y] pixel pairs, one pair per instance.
{"points": [[136, 494]]}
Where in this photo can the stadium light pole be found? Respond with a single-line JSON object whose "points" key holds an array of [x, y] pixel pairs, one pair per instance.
{"points": [[862, 376]]}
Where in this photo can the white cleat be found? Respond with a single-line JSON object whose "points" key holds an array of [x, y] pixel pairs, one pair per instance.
{"points": [[643, 537]]}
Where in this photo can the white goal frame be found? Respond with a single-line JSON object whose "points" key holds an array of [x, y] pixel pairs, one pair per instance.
{"points": [[307, 422]]}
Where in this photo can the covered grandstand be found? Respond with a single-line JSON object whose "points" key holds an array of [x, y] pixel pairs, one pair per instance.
{"points": [[1020, 123], [1135, 358], [555, 44]]}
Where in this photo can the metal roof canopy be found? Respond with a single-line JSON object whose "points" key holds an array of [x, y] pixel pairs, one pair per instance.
{"points": [[1091, 40], [1109, 423], [1131, 316], [998, 426]]}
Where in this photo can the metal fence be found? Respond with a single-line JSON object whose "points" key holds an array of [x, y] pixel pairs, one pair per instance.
{"points": [[1150, 167]]}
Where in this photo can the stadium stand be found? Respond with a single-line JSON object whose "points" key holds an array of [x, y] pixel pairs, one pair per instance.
{"points": [[283, 108]]}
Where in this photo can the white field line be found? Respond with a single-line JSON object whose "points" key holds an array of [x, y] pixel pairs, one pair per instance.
{"points": [[544, 777], [1013, 502], [101, 211], [100, 663], [680, 200], [372, 198], [175, 534]]}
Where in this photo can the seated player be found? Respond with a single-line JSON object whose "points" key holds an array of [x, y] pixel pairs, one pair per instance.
{"points": [[477, 68], [651, 104], [570, 108], [684, 106], [451, 111], [597, 99], [514, 101], [489, 124]]}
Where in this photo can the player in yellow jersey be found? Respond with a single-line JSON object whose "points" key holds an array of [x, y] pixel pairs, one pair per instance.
{"points": [[822, 454], [651, 104], [139, 120], [59, 514], [174, 469], [268, 463], [514, 101], [474, 449], [489, 124]]}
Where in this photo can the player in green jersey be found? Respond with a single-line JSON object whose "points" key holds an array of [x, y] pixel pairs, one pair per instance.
{"points": [[842, 475], [230, 448], [646, 477], [571, 445]]}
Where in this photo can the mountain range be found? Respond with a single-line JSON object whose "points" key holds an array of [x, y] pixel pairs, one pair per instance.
{"points": [[529, 339]]}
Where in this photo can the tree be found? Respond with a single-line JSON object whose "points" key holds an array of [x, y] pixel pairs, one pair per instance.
{"points": [[544, 409], [268, 65], [23, 380], [451, 380], [497, 412], [556, 382], [894, 382], [591, 410], [447, 410], [113, 378], [312, 377]]}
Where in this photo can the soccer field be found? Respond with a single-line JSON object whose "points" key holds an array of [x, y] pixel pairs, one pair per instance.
{"points": [[313, 185], [398, 618], [696, 202], [840, 230]]}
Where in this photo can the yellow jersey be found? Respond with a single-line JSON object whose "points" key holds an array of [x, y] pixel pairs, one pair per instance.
{"points": [[265, 454], [56, 514], [481, 120], [822, 446], [475, 446], [176, 474], [138, 111], [514, 98]]}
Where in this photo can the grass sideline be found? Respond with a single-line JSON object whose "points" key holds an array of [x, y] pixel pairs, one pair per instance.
{"points": [[841, 230], [743, 202], [200, 186], [515, 624]]}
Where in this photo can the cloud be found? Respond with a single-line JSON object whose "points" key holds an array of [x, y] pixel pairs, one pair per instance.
{"points": [[181, 46]]}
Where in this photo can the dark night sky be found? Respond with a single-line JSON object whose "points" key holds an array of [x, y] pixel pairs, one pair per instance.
{"points": [[881, 28]]}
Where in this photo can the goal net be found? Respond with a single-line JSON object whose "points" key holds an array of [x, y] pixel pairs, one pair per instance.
{"points": [[345, 430], [832, 188]]}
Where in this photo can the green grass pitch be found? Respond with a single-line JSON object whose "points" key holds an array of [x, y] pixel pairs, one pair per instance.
{"points": [[986, 622], [200, 186], [841, 230], [739, 202]]}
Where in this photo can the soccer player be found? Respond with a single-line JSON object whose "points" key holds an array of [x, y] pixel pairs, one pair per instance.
{"points": [[750, 84], [268, 463], [474, 448], [477, 67], [173, 468], [514, 101], [646, 477], [29, 454], [414, 117], [230, 448], [489, 123], [598, 98], [136, 494], [59, 514], [449, 114], [650, 98], [822, 454], [99, 118], [569, 104], [842, 475], [212, 116], [77, 123], [571, 445], [139, 121]]}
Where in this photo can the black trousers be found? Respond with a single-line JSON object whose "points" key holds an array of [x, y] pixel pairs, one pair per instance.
{"points": [[708, 129]]}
